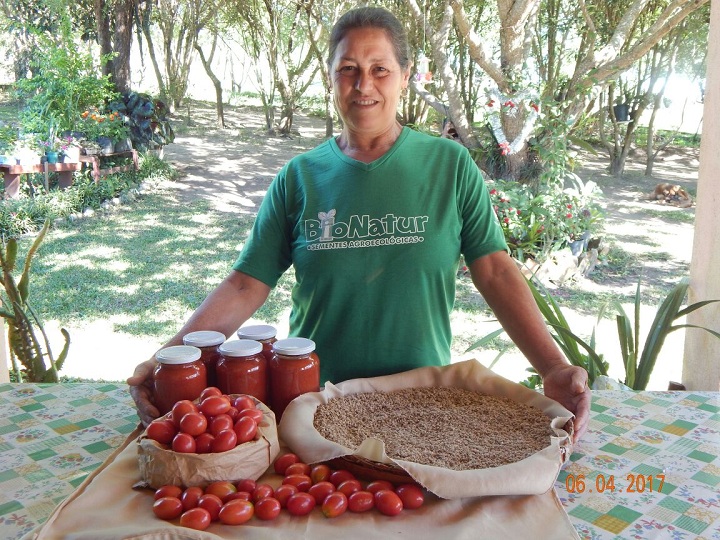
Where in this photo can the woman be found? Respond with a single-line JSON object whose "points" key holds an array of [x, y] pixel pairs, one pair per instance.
{"points": [[373, 223]]}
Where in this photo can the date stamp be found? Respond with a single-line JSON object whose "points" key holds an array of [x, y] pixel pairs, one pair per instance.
{"points": [[634, 483]]}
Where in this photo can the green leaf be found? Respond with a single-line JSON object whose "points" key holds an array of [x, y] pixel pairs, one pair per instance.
{"points": [[24, 283], [11, 254], [484, 340]]}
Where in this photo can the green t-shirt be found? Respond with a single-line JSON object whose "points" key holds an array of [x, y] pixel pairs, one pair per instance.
{"points": [[375, 247]]}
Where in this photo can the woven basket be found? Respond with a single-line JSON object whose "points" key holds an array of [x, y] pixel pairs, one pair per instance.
{"points": [[367, 469]]}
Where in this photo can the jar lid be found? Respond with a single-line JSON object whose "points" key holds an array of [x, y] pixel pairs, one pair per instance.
{"points": [[178, 354], [257, 331], [296, 346], [240, 347], [204, 338]]}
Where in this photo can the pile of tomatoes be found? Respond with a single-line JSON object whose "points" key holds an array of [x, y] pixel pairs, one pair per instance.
{"points": [[217, 423], [303, 489]]}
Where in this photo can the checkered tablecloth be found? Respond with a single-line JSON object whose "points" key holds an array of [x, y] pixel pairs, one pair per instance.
{"points": [[611, 489], [51, 437]]}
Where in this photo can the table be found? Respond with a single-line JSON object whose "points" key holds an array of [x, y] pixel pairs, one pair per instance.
{"points": [[12, 174], [52, 436], [98, 171]]}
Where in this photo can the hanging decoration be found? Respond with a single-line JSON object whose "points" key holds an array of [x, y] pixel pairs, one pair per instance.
{"points": [[499, 104], [423, 75]]}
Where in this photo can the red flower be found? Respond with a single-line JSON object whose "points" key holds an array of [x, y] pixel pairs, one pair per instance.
{"points": [[504, 148], [490, 103], [493, 191], [506, 220], [518, 212], [568, 215], [509, 104], [569, 205], [534, 106]]}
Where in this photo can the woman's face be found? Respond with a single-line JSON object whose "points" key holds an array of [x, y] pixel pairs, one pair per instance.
{"points": [[367, 81]]}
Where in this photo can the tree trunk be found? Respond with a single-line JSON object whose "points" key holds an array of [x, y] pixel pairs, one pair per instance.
{"points": [[122, 41], [145, 25], [219, 108], [104, 35]]}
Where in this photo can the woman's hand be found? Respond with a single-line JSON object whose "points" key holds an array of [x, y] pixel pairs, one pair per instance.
{"points": [[141, 389], [567, 384]]}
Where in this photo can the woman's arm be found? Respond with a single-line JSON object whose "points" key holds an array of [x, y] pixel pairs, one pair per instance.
{"points": [[498, 279]]}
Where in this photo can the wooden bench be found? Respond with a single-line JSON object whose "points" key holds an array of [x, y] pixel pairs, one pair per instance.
{"points": [[98, 170], [12, 174]]}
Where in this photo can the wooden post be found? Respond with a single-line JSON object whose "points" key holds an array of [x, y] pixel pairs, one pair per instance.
{"points": [[701, 366]]}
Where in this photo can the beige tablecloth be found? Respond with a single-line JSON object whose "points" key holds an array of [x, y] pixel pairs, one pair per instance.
{"points": [[106, 507]]}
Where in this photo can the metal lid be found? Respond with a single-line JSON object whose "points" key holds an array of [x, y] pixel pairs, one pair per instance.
{"points": [[204, 338], [240, 347], [294, 346], [178, 354], [257, 331]]}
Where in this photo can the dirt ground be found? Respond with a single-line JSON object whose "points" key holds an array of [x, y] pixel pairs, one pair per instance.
{"points": [[233, 167]]}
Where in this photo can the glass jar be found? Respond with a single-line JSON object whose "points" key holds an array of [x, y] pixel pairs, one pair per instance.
{"points": [[180, 374], [294, 370], [207, 341], [264, 333], [242, 368]]}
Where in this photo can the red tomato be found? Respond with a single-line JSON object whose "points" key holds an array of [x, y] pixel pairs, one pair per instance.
{"points": [[320, 473], [300, 504], [244, 402], [193, 423], [210, 391], [388, 502], [183, 443], [161, 430], [190, 497], [167, 508], [247, 484], [224, 441], [348, 487], [255, 414], [236, 512], [214, 405], [212, 504], [361, 501], [242, 495], [411, 495], [203, 443], [245, 429], [180, 409], [195, 518], [262, 491], [377, 485], [168, 491], [298, 468], [284, 461], [219, 423], [300, 481], [339, 476], [284, 492], [221, 488], [267, 508], [233, 413], [321, 490], [334, 504]]}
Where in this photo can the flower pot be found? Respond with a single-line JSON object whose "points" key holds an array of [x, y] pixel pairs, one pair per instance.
{"points": [[123, 145], [72, 154], [106, 145], [51, 156], [579, 245]]}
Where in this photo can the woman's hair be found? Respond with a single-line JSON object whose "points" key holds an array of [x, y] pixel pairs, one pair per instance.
{"points": [[371, 17]]}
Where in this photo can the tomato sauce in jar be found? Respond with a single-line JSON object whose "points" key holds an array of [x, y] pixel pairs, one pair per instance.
{"points": [[294, 370], [207, 341], [180, 374], [242, 369], [264, 333]]}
